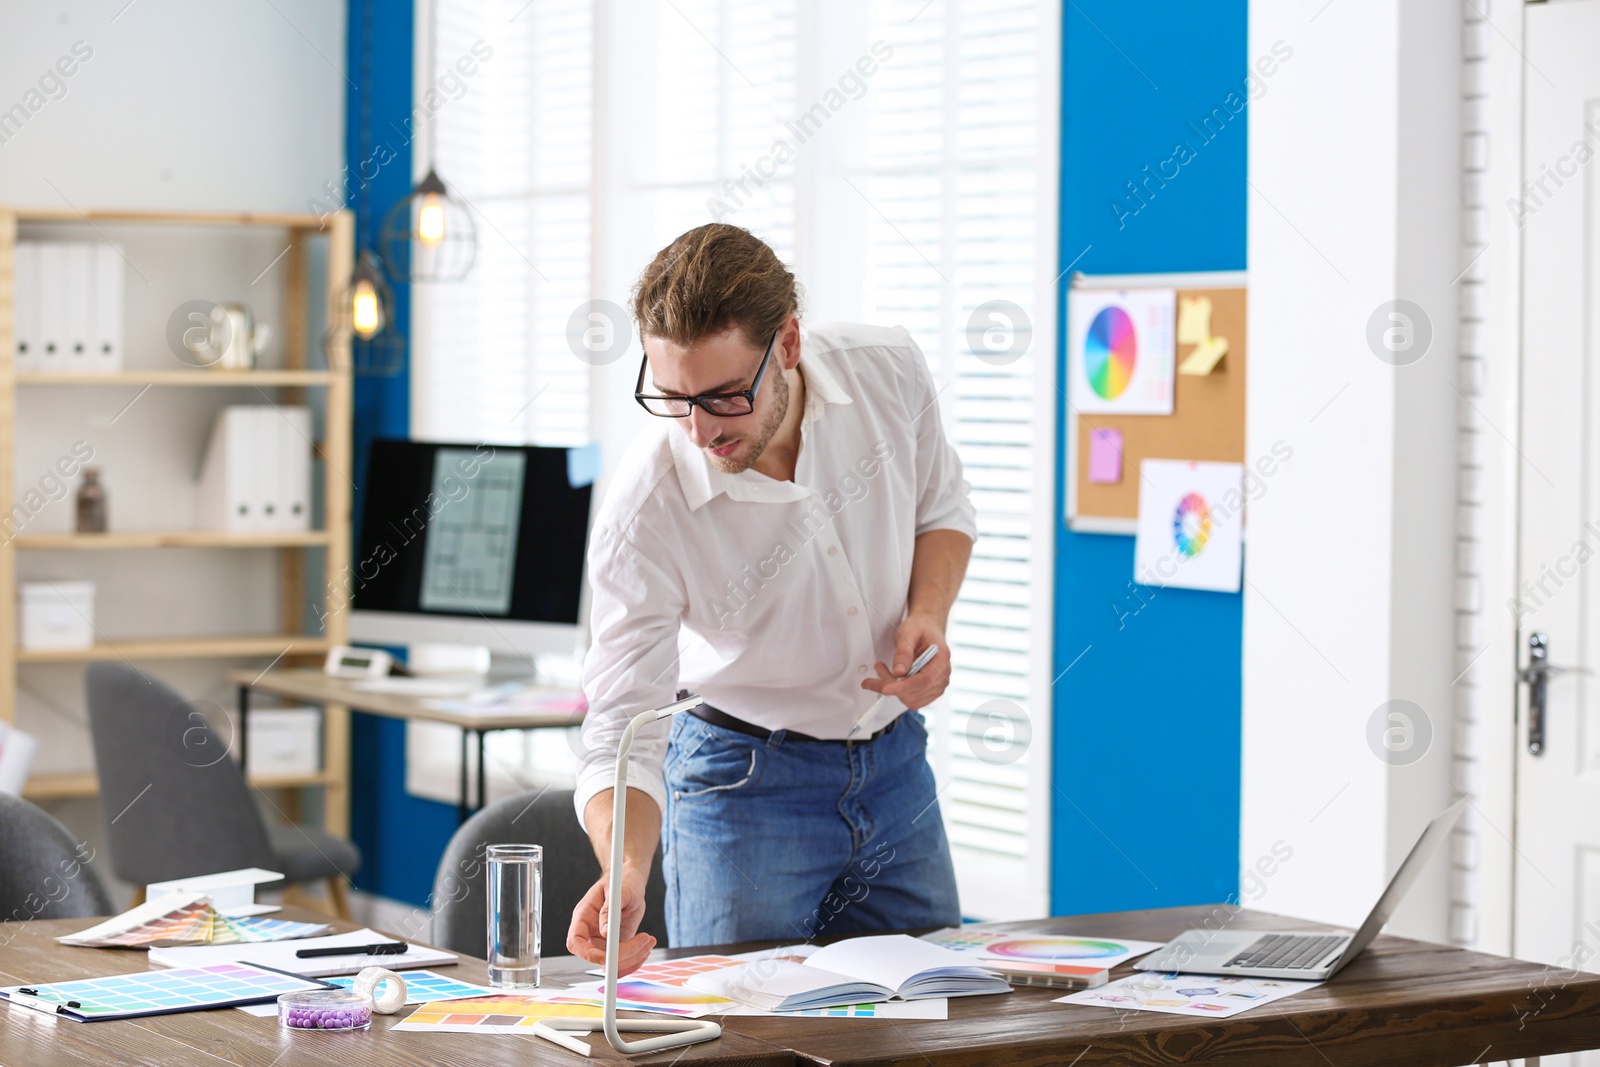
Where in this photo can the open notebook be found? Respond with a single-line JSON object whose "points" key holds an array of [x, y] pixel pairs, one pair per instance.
{"points": [[859, 971]]}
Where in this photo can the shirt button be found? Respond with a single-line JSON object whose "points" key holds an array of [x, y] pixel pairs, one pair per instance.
{"points": [[853, 612], [833, 550], [863, 668]]}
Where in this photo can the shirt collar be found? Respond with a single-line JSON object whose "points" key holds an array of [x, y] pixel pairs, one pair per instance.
{"points": [[701, 482]]}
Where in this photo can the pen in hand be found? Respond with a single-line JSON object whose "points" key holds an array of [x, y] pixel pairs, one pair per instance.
{"points": [[920, 662]]}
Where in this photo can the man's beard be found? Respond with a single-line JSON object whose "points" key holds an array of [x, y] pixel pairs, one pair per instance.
{"points": [[753, 444]]}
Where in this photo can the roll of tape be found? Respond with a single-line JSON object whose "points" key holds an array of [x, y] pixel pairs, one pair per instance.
{"points": [[387, 989]]}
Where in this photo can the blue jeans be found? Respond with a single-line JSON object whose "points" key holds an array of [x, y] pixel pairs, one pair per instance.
{"points": [[783, 839]]}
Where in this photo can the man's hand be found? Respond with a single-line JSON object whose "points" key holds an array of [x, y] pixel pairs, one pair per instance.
{"points": [[586, 938], [914, 634]]}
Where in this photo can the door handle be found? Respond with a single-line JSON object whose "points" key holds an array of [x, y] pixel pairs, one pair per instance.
{"points": [[1537, 675]]}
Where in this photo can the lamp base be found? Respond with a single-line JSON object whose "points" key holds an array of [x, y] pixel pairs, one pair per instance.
{"points": [[674, 1032]]}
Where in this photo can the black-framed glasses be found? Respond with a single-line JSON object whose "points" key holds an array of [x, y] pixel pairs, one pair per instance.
{"points": [[722, 405]]}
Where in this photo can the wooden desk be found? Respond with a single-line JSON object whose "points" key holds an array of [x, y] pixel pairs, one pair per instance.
{"points": [[1402, 1002], [30, 1038], [312, 686]]}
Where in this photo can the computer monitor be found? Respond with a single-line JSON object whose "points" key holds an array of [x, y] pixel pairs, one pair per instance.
{"points": [[473, 544]]}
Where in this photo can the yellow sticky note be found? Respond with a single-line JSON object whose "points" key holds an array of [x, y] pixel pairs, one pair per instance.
{"points": [[1194, 320], [1204, 357]]}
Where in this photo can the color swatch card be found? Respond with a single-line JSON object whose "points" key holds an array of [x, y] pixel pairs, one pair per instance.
{"points": [[128, 996], [1204, 996], [1022, 946], [1191, 525], [676, 972], [636, 995], [1121, 350], [187, 919], [499, 1013], [422, 987]]}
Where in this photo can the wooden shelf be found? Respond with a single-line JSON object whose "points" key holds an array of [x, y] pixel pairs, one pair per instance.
{"points": [[234, 378], [85, 784], [169, 539], [308, 363], [179, 648], [292, 219]]}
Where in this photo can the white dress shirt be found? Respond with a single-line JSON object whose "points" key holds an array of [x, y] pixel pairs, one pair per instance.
{"points": [[770, 599]]}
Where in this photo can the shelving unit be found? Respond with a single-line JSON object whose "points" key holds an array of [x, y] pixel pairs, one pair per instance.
{"points": [[286, 384]]}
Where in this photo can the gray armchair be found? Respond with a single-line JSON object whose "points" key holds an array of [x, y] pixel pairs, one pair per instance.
{"points": [[175, 803], [44, 873], [460, 911]]}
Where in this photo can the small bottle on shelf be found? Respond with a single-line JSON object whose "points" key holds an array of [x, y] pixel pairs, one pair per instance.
{"points": [[92, 513]]}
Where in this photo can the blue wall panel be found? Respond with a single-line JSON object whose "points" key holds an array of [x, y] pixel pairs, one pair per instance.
{"points": [[1146, 739], [401, 837]]}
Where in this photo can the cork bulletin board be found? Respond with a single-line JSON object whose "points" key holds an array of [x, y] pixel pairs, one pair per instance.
{"points": [[1207, 420]]}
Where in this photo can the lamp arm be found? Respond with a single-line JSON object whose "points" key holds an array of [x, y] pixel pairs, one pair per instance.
{"points": [[619, 823]]}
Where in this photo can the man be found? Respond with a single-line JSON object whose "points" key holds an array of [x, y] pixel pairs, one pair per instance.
{"points": [[784, 541]]}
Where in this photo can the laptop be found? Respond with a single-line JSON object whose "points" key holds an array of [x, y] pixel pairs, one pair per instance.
{"points": [[1309, 955]]}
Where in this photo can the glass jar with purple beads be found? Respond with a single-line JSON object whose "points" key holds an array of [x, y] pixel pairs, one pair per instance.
{"points": [[325, 1009]]}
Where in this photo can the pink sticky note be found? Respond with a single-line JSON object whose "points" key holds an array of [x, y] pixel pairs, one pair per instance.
{"points": [[1105, 456]]}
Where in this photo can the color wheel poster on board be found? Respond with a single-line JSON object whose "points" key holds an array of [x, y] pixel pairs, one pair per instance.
{"points": [[1190, 521], [1121, 348]]}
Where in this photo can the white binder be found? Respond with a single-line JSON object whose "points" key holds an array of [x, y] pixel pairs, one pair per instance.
{"points": [[25, 324], [79, 299], [292, 499], [52, 321], [105, 337], [237, 478]]}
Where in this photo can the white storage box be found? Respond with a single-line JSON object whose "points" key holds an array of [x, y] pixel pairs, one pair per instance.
{"points": [[56, 614], [284, 742]]}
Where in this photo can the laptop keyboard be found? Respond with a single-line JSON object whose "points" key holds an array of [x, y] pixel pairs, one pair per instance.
{"points": [[1289, 952]]}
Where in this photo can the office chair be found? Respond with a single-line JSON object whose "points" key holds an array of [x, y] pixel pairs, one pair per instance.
{"points": [[44, 872], [176, 805], [460, 909]]}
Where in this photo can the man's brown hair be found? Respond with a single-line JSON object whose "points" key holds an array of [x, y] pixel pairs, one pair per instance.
{"points": [[709, 279]]}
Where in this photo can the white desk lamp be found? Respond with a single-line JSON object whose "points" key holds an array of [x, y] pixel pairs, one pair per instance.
{"points": [[674, 1032]]}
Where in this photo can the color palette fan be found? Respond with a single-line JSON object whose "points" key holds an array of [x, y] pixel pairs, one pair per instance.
{"points": [[187, 919]]}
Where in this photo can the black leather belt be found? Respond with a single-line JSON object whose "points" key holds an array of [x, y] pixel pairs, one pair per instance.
{"points": [[707, 713]]}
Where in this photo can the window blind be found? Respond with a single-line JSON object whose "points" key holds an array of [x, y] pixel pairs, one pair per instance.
{"points": [[922, 199]]}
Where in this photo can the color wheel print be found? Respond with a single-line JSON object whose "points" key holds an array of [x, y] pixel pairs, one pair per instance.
{"points": [[1109, 352], [1053, 949], [1191, 525]]}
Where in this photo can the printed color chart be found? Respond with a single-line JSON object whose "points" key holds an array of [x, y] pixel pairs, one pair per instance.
{"points": [[127, 996], [499, 1014]]}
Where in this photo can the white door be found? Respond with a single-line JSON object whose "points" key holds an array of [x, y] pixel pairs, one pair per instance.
{"points": [[1557, 888]]}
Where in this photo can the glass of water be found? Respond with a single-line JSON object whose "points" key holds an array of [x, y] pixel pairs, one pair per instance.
{"points": [[515, 898]]}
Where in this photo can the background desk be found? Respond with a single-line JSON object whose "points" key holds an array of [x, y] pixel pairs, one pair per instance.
{"points": [[1402, 1002], [314, 687]]}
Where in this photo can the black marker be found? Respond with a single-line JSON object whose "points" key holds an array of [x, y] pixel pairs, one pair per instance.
{"points": [[382, 948]]}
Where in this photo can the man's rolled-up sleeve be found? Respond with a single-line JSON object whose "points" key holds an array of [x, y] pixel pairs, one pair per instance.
{"points": [[944, 499], [635, 611]]}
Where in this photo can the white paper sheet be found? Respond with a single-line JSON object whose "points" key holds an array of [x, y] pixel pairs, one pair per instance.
{"points": [[1191, 520], [1121, 350], [1204, 996]]}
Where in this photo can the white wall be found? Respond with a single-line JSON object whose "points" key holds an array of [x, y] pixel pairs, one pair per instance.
{"points": [[181, 104], [1353, 158]]}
